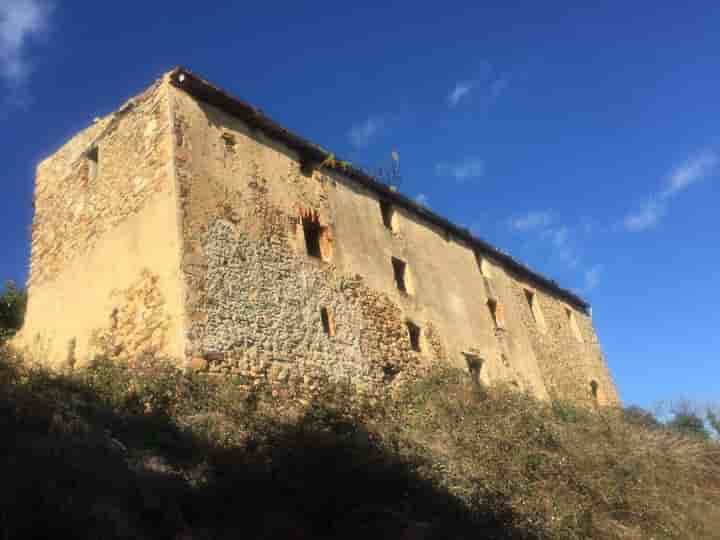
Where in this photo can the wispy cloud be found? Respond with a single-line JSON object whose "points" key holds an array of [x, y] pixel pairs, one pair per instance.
{"points": [[560, 240], [531, 220], [461, 90], [463, 170], [693, 170], [489, 86], [678, 180], [422, 199], [361, 133], [646, 217], [20, 22]]}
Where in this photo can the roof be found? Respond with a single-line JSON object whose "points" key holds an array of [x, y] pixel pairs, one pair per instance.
{"points": [[313, 153]]}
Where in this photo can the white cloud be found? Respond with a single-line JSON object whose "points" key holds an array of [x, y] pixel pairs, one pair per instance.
{"points": [[20, 21], [646, 218], [463, 170], [422, 199], [691, 171], [531, 220], [461, 90], [680, 178], [360, 134]]}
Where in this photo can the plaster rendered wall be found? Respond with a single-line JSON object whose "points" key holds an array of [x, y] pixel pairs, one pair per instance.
{"points": [[105, 246], [254, 296]]}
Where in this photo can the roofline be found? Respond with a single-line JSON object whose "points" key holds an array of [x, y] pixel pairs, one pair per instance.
{"points": [[310, 152]]}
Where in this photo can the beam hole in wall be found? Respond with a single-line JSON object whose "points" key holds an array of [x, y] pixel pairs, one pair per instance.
{"points": [[400, 273], [389, 373], [387, 211], [573, 324], [328, 322], [474, 364], [497, 314], [414, 335]]}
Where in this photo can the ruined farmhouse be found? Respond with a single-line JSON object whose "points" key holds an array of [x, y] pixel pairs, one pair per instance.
{"points": [[189, 225]]}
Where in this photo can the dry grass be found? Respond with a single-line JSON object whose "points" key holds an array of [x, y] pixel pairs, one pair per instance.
{"points": [[155, 453]]}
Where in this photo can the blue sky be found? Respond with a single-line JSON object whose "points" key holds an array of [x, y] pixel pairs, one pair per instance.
{"points": [[582, 140]]}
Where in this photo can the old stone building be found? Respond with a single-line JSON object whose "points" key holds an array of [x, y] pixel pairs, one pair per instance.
{"points": [[190, 225]]}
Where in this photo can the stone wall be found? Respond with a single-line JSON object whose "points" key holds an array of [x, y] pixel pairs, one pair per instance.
{"points": [[254, 296], [569, 362], [76, 201]]}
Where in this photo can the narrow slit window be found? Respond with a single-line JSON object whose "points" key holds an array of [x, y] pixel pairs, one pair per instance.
{"points": [[388, 215], [400, 273], [414, 335], [93, 158], [573, 324], [496, 312], [328, 322]]}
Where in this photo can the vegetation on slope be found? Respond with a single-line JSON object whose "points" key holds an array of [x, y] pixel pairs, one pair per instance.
{"points": [[154, 453]]}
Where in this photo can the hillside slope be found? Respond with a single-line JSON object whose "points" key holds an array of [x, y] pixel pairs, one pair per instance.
{"points": [[153, 453]]}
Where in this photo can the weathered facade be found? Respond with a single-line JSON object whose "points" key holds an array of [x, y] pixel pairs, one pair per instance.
{"points": [[189, 225]]}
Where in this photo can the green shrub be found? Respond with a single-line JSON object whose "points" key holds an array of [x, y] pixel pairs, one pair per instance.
{"points": [[13, 302]]}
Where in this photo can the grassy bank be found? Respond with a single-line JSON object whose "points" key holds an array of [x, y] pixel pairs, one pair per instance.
{"points": [[153, 453]]}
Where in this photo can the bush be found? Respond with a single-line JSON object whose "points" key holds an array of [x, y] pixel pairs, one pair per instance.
{"points": [[13, 302]]}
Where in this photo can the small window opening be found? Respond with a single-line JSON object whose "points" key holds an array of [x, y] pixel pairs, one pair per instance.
{"points": [[93, 158], [594, 389], [328, 322], [414, 335], [400, 272], [496, 311], [573, 324], [474, 364], [388, 215]]}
